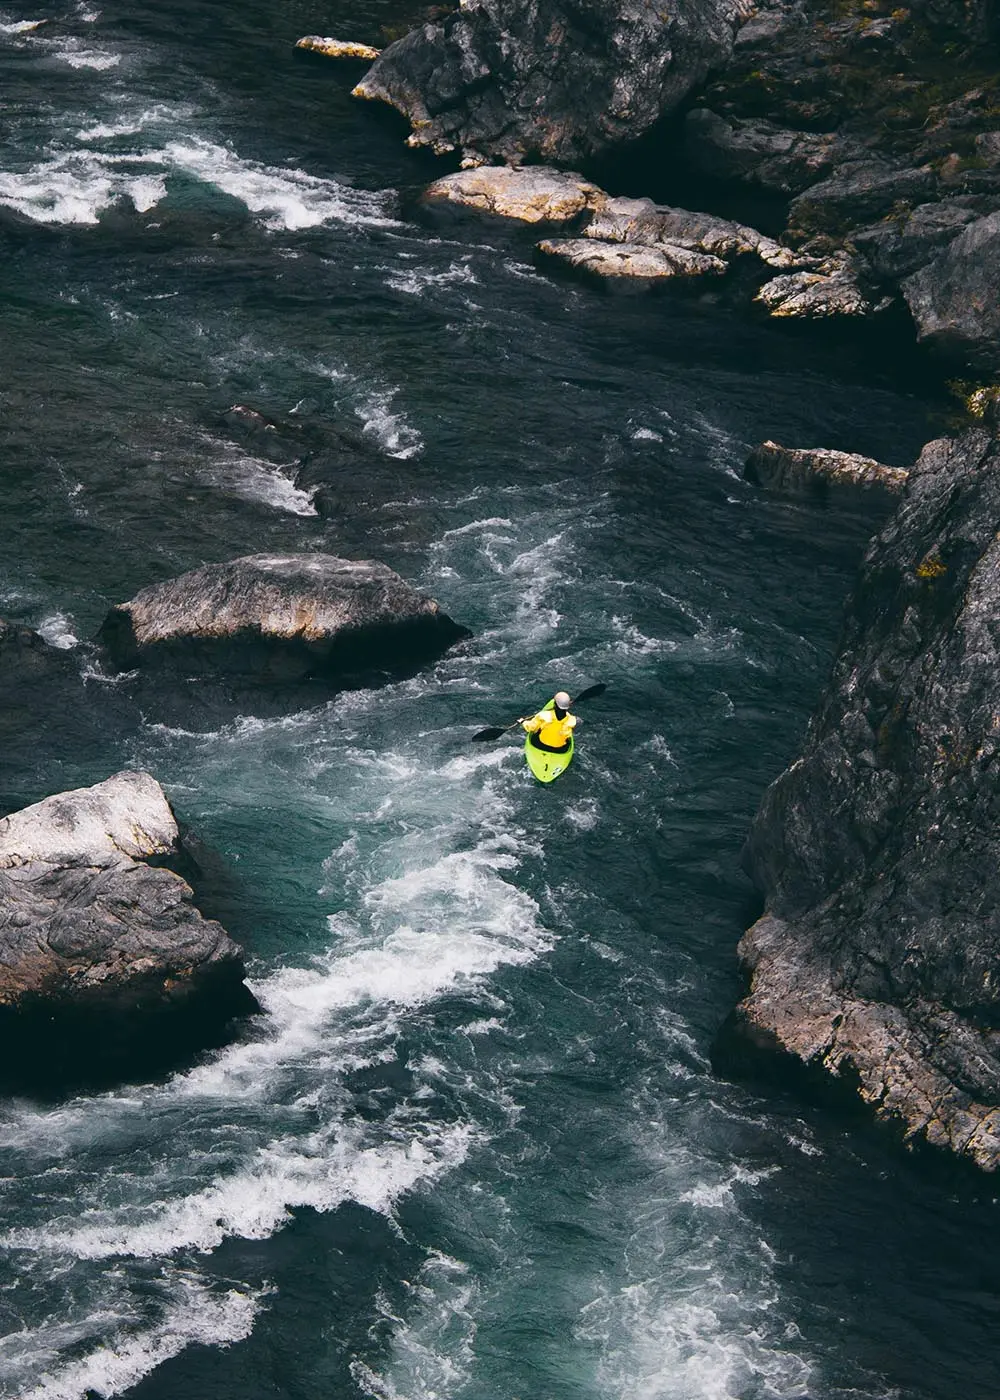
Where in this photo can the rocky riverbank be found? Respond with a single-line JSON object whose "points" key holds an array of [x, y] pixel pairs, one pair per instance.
{"points": [[876, 850], [874, 130]]}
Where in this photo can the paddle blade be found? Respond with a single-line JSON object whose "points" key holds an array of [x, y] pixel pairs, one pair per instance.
{"points": [[590, 693], [485, 734]]}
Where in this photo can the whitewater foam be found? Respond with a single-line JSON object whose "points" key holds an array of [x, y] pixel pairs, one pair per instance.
{"points": [[76, 187], [197, 1315]]}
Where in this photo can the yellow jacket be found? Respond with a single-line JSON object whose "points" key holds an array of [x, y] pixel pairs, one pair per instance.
{"points": [[551, 731]]}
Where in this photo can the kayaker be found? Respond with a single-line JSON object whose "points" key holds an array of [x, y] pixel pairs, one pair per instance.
{"points": [[552, 728]]}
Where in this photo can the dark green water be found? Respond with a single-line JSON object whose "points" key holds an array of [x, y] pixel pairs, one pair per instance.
{"points": [[475, 1151]]}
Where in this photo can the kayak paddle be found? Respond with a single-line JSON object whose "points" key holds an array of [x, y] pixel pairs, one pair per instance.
{"points": [[497, 732]]}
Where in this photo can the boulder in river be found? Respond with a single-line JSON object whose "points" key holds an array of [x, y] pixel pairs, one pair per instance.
{"points": [[532, 194], [522, 80], [877, 849], [812, 469], [276, 619], [105, 963]]}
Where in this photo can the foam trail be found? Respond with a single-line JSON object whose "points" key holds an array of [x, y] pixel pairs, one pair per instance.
{"points": [[321, 1172], [76, 187], [197, 1316], [289, 199]]}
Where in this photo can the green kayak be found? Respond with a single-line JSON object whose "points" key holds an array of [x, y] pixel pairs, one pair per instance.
{"points": [[545, 764]]}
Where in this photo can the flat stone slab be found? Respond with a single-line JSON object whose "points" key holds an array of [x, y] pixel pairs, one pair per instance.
{"points": [[631, 260], [531, 194]]}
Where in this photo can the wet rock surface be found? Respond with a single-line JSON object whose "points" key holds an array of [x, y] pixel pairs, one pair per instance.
{"points": [[516, 80], [876, 850], [106, 965], [805, 470], [277, 620]]}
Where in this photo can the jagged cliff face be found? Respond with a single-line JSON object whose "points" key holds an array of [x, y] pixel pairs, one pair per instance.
{"points": [[550, 80], [877, 850]]}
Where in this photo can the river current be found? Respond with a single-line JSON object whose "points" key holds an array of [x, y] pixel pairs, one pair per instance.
{"points": [[475, 1150]]}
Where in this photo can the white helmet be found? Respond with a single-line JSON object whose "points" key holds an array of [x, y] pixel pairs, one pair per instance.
{"points": [[562, 700]]}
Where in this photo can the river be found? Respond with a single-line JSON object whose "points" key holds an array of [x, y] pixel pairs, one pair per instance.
{"points": [[475, 1150]]}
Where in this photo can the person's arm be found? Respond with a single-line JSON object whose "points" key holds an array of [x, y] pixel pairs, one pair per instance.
{"points": [[532, 725]]}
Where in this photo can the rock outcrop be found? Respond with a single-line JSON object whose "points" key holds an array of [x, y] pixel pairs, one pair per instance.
{"points": [[281, 619], [531, 194], [877, 123], [881, 126], [106, 966], [635, 262], [877, 956], [833, 290], [955, 299], [542, 80], [337, 48], [815, 469], [757, 152]]}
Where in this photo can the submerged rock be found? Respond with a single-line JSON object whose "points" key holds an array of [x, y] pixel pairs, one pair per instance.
{"points": [[532, 194], [637, 261], [955, 300], [105, 963], [25, 655], [515, 80], [877, 956], [279, 619], [799, 469]]}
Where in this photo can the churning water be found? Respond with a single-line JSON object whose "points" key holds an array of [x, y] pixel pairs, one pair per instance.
{"points": [[475, 1150]]}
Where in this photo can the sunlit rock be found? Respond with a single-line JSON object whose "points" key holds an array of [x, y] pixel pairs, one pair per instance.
{"points": [[532, 194], [630, 260], [282, 618], [798, 469], [102, 956], [337, 48]]}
